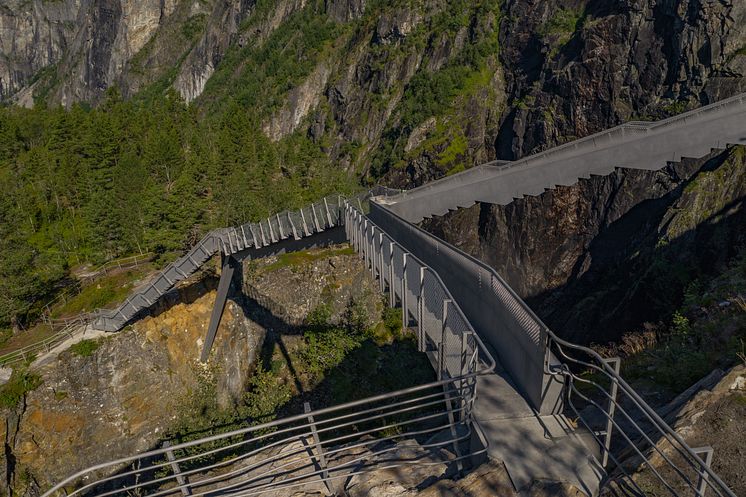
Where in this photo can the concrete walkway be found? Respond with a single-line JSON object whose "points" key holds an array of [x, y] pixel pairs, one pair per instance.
{"points": [[85, 332], [534, 447]]}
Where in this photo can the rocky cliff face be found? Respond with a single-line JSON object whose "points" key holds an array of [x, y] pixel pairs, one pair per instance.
{"points": [[123, 397], [581, 66], [405, 91], [603, 256]]}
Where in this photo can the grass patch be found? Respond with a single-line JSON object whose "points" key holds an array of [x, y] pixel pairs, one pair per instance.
{"points": [[28, 337], [19, 384], [561, 28], [84, 348], [300, 258], [104, 292], [194, 26]]}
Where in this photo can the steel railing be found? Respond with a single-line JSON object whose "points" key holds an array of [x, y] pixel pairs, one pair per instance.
{"points": [[589, 143], [327, 446], [103, 269], [607, 407], [28, 353], [635, 441]]}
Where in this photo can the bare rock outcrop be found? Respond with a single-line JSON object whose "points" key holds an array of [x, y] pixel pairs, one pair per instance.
{"points": [[712, 417], [120, 397], [594, 259]]}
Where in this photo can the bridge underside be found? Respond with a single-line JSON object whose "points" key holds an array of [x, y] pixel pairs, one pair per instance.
{"points": [[230, 263]]}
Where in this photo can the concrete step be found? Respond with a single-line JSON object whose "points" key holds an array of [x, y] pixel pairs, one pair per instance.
{"points": [[544, 448]]}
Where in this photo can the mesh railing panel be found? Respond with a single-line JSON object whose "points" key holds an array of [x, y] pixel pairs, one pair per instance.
{"points": [[434, 295], [413, 270], [398, 266], [297, 220], [521, 319], [275, 227], [386, 259], [455, 347]]}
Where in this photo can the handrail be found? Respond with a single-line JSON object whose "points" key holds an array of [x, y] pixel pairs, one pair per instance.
{"points": [[580, 143], [604, 366], [122, 263], [550, 337], [455, 388], [22, 354]]}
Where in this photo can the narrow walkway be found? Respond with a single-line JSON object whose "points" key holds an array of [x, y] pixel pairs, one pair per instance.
{"points": [[85, 332], [532, 446]]}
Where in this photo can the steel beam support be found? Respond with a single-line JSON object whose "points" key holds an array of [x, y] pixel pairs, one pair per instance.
{"points": [[703, 476], [180, 479], [226, 276], [615, 363]]}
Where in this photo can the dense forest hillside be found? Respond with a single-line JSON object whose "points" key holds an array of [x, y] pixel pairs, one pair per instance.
{"points": [[136, 126]]}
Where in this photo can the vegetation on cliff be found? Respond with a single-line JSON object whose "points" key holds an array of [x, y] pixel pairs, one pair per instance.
{"points": [[90, 184], [149, 172]]}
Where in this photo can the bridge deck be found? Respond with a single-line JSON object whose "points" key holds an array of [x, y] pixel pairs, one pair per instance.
{"points": [[644, 147], [533, 446]]}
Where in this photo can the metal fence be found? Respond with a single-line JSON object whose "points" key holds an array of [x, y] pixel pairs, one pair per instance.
{"points": [[316, 450], [323, 449], [102, 270], [643, 455], [28, 353], [442, 329], [633, 439]]}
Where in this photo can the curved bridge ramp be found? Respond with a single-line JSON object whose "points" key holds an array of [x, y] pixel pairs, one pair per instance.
{"points": [[636, 145], [305, 222]]}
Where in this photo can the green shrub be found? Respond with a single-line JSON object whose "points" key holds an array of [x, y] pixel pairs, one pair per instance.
{"points": [[84, 348], [266, 395], [19, 384], [681, 326], [392, 319]]}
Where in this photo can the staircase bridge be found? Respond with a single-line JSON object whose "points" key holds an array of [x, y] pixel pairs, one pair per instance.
{"points": [[507, 386]]}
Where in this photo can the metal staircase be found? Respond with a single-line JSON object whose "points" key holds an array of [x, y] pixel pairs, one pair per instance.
{"points": [[305, 222], [635, 145], [521, 408]]}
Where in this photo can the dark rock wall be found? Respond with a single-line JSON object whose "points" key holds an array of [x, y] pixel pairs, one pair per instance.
{"points": [[601, 257], [622, 60]]}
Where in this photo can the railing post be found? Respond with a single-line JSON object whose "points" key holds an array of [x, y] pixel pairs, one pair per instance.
{"points": [[404, 314], [180, 479], [615, 363], [421, 313], [328, 214], [319, 449], [381, 278], [366, 248], [392, 292], [708, 452], [305, 224], [443, 331]]}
